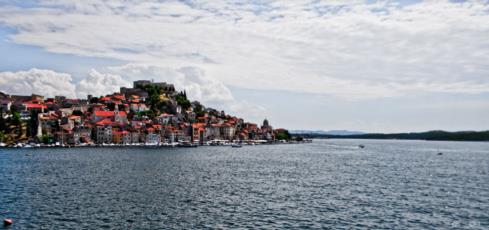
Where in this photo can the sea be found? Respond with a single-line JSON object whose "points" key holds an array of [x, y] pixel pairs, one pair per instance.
{"points": [[326, 184]]}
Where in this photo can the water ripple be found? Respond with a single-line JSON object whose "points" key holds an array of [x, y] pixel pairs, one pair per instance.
{"points": [[326, 184]]}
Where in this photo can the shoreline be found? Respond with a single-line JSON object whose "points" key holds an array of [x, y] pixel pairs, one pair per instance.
{"points": [[146, 145]]}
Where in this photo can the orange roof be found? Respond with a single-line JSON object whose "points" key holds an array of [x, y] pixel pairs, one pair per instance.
{"points": [[198, 125], [120, 97], [35, 106], [105, 122], [102, 113], [105, 99]]}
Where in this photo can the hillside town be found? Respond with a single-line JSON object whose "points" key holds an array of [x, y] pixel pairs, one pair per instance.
{"points": [[149, 113]]}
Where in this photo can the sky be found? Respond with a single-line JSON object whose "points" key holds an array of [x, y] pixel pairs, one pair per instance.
{"points": [[372, 66]]}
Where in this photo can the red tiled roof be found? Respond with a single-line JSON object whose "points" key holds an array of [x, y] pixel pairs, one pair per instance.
{"points": [[105, 122], [102, 113], [35, 106], [120, 97], [198, 125]]}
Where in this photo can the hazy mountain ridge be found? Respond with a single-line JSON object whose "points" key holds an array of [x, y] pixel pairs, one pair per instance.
{"points": [[435, 135]]}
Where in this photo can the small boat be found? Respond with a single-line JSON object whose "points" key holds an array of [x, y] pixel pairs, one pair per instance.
{"points": [[361, 146], [236, 146], [7, 222], [440, 153]]}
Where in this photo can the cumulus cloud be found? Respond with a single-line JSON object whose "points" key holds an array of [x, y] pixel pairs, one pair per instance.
{"points": [[348, 49], [98, 84], [245, 109], [37, 81]]}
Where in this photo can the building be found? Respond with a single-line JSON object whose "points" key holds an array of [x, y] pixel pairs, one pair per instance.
{"points": [[104, 131]]}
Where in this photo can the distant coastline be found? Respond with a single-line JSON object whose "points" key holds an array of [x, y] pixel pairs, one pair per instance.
{"points": [[436, 135]]}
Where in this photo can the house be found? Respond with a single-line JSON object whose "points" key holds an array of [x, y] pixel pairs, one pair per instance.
{"points": [[136, 107], [46, 123], [104, 131], [120, 117], [135, 136], [101, 115], [213, 131], [121, 137], [83, 133], [165, 119], [198, 132], [227, 131], [153, 138]]}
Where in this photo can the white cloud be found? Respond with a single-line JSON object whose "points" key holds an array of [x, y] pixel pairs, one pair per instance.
{"points": [[347, 49], [245, 109], [99, 84], [37, 81]]}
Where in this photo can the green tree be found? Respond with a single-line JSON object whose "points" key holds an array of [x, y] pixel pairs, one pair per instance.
{"points": [[16, 118], [182, 100], [285, 135], [154, 93], [47, 139], [199, 110]]}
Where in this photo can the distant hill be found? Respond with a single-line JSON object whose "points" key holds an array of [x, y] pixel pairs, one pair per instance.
{"points": [[436, 135], [330, 132]]}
